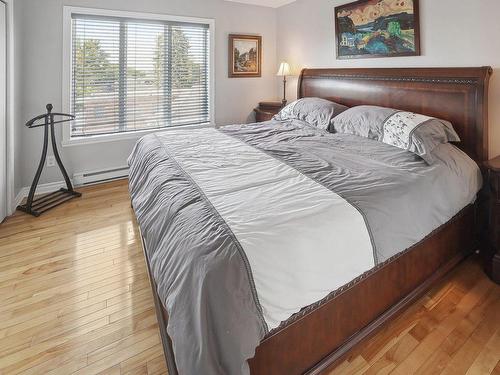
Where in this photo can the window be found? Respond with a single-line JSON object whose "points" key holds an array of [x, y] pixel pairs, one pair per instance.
{"points": [[130, 74]]}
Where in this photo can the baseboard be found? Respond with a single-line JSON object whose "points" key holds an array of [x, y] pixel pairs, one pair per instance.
{"points": [[52, 186], [41, 189], [18, 199]]}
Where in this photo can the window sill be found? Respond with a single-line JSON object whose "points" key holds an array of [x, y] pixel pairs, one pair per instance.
{"points": [[106, 138]]}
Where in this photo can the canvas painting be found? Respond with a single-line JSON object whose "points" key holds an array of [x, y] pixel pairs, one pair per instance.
{"points": [[377, 28], [245, 56]]}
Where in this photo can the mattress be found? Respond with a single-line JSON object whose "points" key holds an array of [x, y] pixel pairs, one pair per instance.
{"points": [[247, 224]]}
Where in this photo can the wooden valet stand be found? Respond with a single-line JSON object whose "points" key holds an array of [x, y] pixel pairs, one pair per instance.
{"points": [[38, 206]]}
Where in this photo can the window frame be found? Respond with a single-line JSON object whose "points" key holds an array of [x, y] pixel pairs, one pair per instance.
{"points": [[67, 65]]}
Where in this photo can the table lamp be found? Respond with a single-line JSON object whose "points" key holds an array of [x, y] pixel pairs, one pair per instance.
{"points": [[283, 71]]}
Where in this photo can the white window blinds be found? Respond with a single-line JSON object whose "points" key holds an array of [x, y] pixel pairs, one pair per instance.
{"points": [[130, 75]]}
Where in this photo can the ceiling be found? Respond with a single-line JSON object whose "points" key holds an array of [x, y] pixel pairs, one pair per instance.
{"points": [[266, 3]]}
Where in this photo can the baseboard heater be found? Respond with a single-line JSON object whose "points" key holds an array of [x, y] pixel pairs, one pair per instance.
{"points": [[94, 177]]}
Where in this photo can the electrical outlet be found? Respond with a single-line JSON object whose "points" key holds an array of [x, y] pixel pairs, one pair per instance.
{"points": [[51, 161]]}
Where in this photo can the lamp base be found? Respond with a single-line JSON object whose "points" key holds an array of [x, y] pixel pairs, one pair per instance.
{"points": [[283, 102]]}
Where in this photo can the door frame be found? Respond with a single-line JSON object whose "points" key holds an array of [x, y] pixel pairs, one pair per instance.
{"points": [[10, 108], [4, 206]]}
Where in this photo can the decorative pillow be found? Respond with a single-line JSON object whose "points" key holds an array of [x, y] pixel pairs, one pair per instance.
{"points": [[364, 120], [410, 131], [418, 133], [315, 111]]}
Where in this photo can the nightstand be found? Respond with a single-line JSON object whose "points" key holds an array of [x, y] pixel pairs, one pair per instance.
{"points": [[266, 110], [492, 254]]}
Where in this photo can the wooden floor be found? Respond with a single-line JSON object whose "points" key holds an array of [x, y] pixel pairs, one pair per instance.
{"points": [[75, 298]]}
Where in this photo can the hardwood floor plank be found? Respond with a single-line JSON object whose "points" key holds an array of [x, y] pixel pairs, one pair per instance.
{"points": [[465, 356], [116, 346], [156, 365], [487, 359], [138, 360], [396, 354], [496, 370], [115, 370], [64, 360], [433, 340], [122, 355], [351, 367], [439, 360]]}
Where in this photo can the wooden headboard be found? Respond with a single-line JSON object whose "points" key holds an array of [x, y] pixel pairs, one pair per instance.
{"points": [[459, 95]]}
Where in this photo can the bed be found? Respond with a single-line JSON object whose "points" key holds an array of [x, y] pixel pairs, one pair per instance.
{"points": [[243, 305]]}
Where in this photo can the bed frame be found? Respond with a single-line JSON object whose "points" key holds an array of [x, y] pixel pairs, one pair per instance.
{"points": [[321, 335]]}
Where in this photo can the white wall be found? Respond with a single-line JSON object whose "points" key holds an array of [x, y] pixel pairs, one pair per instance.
{"points": [[453, 33], [41, 68]]}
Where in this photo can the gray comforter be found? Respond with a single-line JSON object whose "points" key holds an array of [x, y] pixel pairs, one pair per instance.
{"points": [[211, 278]]}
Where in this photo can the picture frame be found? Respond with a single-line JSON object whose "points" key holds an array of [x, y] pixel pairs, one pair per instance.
{"points": [[377, 28], [245, 56]]}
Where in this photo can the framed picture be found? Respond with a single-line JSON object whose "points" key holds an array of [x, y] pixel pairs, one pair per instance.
{"points": [[245, 55], [377, 28]]}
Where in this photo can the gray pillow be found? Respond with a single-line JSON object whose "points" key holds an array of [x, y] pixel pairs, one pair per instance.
{"points": [[410, 131], [364, 120], [315, 111]]}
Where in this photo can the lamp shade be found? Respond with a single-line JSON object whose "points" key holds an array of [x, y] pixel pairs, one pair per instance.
{"points": [[284, 69]]}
